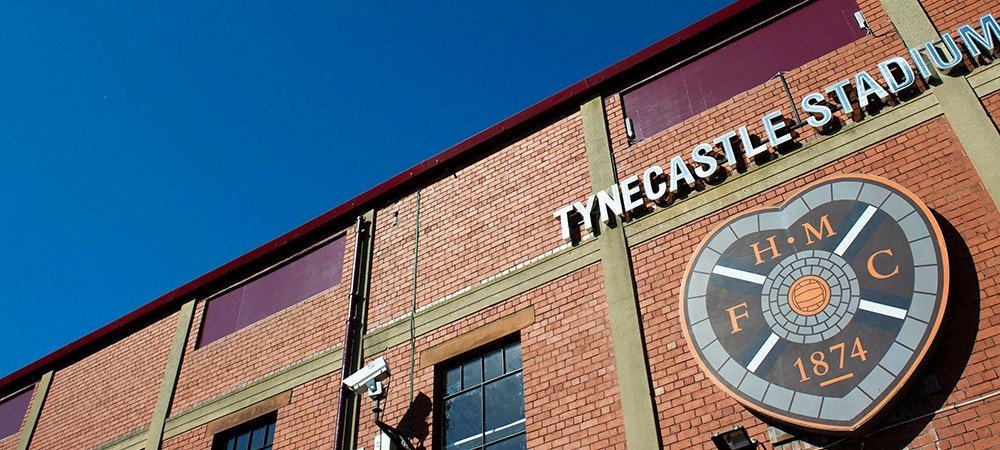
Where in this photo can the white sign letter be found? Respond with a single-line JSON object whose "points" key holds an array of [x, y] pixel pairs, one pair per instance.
{"points": [[842, 98], [653, 192], [702, 154], [563, 215], [890, 79], [812, 104], [772, 125], [610, 203], [748, 147], [727, 146], [867, 86], [678, 169], [629, 189]]}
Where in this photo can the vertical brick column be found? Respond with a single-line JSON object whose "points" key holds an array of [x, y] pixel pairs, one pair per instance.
{"points": [[631, 362], [35, 410], [154, 436], [966, 114]]}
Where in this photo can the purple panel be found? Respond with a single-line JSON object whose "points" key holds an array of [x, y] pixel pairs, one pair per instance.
{"points": [[220, 316], [298, 280], [12, 412], [787, 43], [292, 283]]}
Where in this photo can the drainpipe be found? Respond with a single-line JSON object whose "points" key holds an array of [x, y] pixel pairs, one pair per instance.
{"points": [[349, 409]]}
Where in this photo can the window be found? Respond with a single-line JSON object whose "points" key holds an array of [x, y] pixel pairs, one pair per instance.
{"points": [[785, 44], [285, 286], [254, 435], [483, 402]]}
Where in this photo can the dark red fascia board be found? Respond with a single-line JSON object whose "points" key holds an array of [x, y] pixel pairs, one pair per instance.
{"points": [[393, 188]]}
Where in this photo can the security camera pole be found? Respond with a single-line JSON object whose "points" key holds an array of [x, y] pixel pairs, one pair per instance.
{"points": [[369, 379]]}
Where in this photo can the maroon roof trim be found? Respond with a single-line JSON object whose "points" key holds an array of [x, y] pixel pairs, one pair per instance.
{"points": [[386, 191]]}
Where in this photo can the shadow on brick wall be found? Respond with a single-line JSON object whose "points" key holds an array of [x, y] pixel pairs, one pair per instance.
{"points": [[416, 421]]}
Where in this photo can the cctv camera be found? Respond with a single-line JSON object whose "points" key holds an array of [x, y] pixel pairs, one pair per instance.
{"points": [[369, 378]]}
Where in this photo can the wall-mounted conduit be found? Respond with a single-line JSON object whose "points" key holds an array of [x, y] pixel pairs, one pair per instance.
{"points": [[349, 406], [413, 299]]}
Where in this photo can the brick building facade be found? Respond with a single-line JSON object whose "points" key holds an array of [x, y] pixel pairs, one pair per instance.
{"points": [[463, 255]]}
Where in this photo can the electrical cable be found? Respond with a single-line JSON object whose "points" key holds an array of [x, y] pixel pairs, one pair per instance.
{"points": [[413, 301]]}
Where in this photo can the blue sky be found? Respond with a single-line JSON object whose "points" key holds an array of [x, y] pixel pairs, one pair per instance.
{"points": [[143, 145]]}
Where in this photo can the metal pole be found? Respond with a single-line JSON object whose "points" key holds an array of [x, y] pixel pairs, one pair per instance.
{"points": [[348, 404], [791, 100]]}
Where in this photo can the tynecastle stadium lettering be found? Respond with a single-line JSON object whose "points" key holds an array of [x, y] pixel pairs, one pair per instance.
{"points": [[661, 186]]}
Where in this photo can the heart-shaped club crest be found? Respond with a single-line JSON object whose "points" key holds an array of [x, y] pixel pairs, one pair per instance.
{"points": [[817, 312]]}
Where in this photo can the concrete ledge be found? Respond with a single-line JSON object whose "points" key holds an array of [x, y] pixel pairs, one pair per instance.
{"points": [[296, 375], [986, 80], [804, 160]]}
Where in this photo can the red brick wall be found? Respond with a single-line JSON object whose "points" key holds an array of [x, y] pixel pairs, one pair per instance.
{"points": [[10, 442], [929, 161], [489, 217], [266, 346], [107, 394], [748, 107], [309, 421], [948, 15], [191, 440], [575, 406], [992, 105]]}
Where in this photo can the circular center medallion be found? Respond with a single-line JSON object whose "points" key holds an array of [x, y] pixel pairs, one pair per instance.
{"points": [[809, 295]]}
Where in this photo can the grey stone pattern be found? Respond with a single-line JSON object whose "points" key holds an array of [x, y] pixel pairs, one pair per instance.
{"points": [[845, 296], [843, 307]]}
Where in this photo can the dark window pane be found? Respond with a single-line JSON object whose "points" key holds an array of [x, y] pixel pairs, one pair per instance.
{"points": [[518, 442], [463, 420], [487, 409], [493, 365], [453, 380], [243, 441], [258, 439], [254, 435], [504, 407], [512, 357], [472, 373], [270, 433]]}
